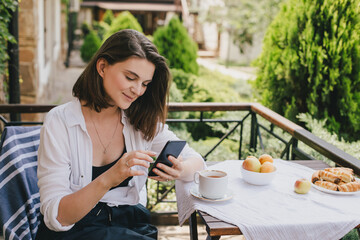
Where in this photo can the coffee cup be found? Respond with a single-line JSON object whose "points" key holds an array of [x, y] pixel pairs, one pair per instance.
{"points": [[212, 183]]}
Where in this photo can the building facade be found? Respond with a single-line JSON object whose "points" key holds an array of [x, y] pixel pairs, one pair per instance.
{"points": [[150, 14], [42, 45]]}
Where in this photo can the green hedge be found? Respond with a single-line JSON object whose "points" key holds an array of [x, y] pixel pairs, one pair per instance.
{"points": [[311, 63], [174, 43], [91, 44]]}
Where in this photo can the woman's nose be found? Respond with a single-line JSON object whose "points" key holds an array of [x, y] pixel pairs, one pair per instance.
{"points": [[137, 88]]}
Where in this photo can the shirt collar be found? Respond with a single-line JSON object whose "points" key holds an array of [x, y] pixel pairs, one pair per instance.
{"points": [[75, 116], [123, 117]]}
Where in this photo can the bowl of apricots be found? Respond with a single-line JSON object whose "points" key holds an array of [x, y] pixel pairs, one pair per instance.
{"points": [[258, 171]]}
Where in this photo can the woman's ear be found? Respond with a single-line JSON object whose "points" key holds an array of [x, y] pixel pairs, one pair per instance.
{"points": [[100, 66]]}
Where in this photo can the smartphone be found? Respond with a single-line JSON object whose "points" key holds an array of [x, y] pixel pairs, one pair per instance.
{"points": [[173, 148]]}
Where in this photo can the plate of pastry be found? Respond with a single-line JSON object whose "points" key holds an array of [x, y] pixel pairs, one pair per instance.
{"points": [[339, 181]]}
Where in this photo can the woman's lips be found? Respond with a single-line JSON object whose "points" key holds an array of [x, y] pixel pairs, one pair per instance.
{"points": [[129, 98]]}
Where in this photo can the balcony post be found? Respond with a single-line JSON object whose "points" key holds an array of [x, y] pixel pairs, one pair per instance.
{"points": [[253, 131], [293, 147]]}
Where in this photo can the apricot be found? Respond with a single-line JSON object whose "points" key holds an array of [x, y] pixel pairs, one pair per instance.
{"points": [[266, 158], [302, 186], [252, 164], [267, 167]]}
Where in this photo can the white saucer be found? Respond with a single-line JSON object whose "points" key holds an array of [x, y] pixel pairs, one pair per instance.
{"points": [[195, 192]]}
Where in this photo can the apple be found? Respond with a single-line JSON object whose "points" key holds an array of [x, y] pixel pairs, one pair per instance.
{"points": [[267, 167], [265, 158], [252, 164], [302, 186]]}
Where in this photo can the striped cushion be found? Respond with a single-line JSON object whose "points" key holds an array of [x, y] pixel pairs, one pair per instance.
{"points": [[19, 193]]}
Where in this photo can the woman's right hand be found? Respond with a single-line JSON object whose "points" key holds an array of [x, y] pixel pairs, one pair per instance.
{"points": [[122, 169]]}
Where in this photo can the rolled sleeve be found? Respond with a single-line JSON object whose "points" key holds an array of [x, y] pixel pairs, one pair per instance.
{"points": [[50, 216], [53, 170]]}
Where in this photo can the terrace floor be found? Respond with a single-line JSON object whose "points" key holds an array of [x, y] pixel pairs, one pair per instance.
{"points": [[182, 233], [169, 228]]}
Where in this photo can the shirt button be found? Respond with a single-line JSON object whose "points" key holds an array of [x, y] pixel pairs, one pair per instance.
{"points": [[82, 176]]}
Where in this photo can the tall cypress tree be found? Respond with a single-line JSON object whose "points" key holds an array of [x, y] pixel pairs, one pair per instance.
{"points": [[311, 63], [124, 20], [108, 16], [177, 46]]}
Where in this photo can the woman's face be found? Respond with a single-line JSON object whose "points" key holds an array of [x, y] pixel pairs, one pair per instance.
{"points": [[125, 81]]}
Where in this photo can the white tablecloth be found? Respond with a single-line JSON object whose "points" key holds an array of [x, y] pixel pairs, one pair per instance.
{"points": [[275, 211]]}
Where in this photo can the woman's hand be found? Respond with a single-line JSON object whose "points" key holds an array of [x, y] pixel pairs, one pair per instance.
{"points": [[122, 169], [170, 173]]}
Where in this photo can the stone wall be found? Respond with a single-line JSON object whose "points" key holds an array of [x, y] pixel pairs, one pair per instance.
{"points": [[28, 38]]}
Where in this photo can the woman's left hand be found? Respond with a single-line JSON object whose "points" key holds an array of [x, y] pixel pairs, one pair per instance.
{"points": [[170, 173]]}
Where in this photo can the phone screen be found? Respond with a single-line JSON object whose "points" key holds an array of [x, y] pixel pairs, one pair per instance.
{"points": [[172, 148]]}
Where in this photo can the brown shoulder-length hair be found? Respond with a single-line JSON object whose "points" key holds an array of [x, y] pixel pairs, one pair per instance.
{"points": [[150, 108]]}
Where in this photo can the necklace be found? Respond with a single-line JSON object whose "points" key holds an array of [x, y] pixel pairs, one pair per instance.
{"points": [[97, 133]]}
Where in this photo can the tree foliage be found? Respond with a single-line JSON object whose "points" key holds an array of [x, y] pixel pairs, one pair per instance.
{"points": [[311, 63], [174, 43], [243, 18], [124, 20], [6, 7]]}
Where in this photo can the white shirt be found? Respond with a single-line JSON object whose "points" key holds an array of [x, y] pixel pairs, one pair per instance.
{"points": [[65, 160]]}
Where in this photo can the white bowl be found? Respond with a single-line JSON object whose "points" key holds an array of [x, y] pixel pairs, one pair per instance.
{"points": [[257, 178]]}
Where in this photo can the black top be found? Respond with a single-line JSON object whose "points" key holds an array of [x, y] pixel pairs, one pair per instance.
{"points": [[97, 171]]}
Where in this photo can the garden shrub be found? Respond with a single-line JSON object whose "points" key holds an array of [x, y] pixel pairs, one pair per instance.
{"points": [[184, 82], [124, 20], [208, 86], [91, 44], [213, 86], [101, 28], [311, 63], [177, 96], [108, 17], [318, 128], [85, 29], [174, 43]]}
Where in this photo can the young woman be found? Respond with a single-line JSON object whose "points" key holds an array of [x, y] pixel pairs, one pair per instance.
{"points": [[95, 151]]}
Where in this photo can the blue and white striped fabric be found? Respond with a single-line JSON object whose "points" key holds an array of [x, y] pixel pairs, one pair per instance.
{"points": [[19, 193]]}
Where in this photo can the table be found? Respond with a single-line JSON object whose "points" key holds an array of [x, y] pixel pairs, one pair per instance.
{"points": [[217, 228]]}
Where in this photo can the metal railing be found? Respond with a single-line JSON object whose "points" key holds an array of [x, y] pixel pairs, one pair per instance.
{"points": [[253, 111], [290, 151]]}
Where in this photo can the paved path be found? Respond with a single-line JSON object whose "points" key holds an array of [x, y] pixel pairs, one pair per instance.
{"points": [[242, 73], [60, 88]]}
